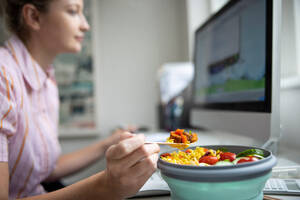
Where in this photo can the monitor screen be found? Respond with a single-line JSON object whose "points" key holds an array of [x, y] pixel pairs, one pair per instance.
{"points": [[232, 58]]}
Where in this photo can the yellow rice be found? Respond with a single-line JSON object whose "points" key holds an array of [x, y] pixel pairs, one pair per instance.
{"points": [[178, 146], [191, 158]]}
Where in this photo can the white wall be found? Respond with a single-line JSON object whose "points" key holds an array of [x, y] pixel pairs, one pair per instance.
{"points": [[197, 13], [290, 120], [133, 38], [288, 44], [290, 96]]}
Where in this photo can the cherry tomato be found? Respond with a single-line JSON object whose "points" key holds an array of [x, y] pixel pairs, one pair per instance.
{"points": [[165, 154], [247, 159], [208, 160], [227, 156]]}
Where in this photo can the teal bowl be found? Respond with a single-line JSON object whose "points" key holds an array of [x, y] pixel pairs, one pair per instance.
{"points": [[243, 181]]}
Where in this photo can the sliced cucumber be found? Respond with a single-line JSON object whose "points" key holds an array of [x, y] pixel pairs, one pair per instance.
{"points": [[257, 156], [250, 152], [203, 164], [223, 163]]}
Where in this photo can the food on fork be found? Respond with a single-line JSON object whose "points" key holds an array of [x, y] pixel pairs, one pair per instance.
{"points": [[181, 139], [181, 136]]}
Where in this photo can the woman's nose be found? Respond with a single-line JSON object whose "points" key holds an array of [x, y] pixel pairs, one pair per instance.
{"points": [[84, 24]]}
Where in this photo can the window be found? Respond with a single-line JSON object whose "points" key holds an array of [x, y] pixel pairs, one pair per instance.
{"points": [[290, 44], [74, 75], [297, 31]]}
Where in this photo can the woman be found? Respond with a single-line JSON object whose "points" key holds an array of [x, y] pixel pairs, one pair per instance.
{"points": [[29, 149]]}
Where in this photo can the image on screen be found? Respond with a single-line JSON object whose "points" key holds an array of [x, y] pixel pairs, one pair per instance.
{"points": [[230, 56]]}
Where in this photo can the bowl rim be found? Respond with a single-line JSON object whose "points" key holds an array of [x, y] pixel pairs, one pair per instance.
{"points": [[238, 172]]}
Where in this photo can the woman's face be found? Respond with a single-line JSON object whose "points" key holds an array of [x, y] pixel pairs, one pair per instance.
{"points": [[62, 28]]}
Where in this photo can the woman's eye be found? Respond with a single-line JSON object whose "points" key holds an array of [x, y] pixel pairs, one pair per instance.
{"points": [[72, 12]]}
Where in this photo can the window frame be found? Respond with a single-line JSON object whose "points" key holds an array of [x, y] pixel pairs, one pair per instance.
{"points": [[293, 81]]}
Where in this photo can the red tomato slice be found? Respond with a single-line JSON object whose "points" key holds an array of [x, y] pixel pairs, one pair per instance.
{"points": [[227, 156], [247, 159], [211, 160], [165, 154]]}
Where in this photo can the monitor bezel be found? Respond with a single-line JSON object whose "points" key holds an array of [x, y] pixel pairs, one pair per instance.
{"points": [[259, 106]]}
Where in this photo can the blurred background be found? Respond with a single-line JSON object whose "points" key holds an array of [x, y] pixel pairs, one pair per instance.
{"points": [[116, 80]]}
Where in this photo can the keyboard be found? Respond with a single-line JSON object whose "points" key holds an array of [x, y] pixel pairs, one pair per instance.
{"points": [[282, 186]]}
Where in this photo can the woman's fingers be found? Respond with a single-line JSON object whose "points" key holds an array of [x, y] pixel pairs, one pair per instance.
{"points": [[145, 167], [139, 154], [141, 172], [146, 175], [119, 136], [128, 181], [125, 135], [125, 147]]}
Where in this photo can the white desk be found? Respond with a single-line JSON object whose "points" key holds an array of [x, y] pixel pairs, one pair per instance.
{"points": [[275, 196]]}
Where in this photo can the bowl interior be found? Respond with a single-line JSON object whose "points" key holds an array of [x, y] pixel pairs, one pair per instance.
{"points": [[231, 148], [219, 173]]}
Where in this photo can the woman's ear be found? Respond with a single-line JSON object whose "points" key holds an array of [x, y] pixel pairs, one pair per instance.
{"points": [[31, 17]]}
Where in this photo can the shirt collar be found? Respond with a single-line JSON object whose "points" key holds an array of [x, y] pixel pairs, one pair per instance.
{"points": [[34, 75]]}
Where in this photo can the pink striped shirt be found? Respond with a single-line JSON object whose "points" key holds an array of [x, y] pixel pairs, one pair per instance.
{"points": [[28, 120]]}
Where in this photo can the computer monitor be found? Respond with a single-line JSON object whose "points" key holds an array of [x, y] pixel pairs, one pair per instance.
{"points": [[237, 76]]}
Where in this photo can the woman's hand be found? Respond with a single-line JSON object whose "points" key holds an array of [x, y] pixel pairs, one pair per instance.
{"points": [[129, 165], [119, 135]]}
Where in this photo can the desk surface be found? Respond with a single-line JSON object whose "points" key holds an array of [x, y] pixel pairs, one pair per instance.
{"points": [[282, 197]]}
